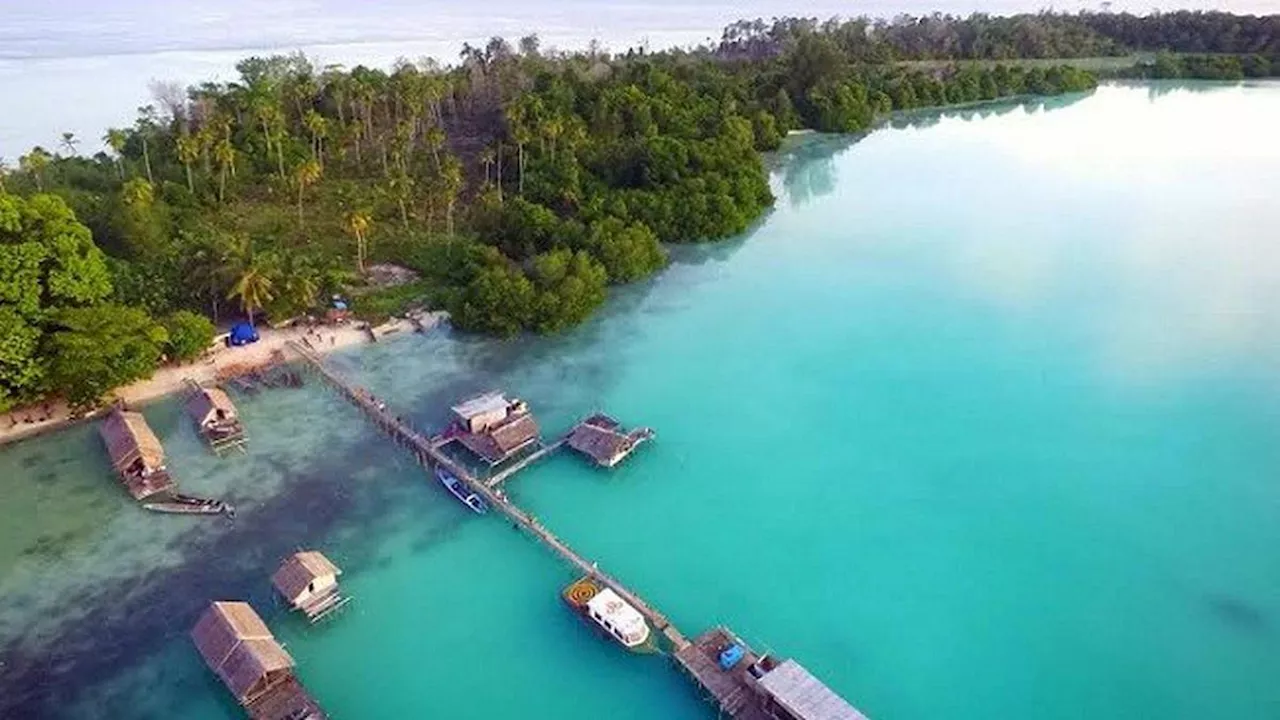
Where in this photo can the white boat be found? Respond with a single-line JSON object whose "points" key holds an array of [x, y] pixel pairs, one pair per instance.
{"points": [[615, 616]]}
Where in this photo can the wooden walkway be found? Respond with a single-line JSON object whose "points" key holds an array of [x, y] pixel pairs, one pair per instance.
{"points": [[525, 462], [431, 454]]}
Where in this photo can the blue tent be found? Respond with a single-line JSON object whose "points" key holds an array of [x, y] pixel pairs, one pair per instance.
{"points": [[242, 334], [730, 656]]}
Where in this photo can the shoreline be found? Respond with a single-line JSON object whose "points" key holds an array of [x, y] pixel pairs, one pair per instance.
{"points": [[217, 365]]}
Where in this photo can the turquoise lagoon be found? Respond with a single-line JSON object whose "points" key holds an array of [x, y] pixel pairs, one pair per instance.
{"points": [[981, 421]]}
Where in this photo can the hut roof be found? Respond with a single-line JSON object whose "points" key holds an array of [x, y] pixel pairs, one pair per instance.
{"points": [[206, 404], [299, 570], [499, 441], [237, 645], [129, 438], [600, 444], [515, 433], [286, 701], [804, 695], [480, 405]]}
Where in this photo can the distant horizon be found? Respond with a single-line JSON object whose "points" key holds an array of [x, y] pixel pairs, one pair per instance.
{"points": [[87, 67]]}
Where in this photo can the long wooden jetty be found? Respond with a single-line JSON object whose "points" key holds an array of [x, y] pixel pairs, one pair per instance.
{"points": [[430, 453], [743, 684]]}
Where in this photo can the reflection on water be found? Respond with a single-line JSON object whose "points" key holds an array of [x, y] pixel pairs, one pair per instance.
{"points": [[807, 162]]}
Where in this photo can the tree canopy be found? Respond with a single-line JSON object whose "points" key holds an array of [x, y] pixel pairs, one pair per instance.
{"points": [[519, 183]]}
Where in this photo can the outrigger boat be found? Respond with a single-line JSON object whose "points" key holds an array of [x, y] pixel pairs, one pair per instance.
{"points": [[188, 505], [460, 490], [605, 609]]}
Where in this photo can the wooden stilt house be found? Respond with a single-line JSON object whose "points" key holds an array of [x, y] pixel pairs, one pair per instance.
{"points": [[308, 581], [238, 647], [495, 428], [602, 439], [216, 417], [136, 453]]}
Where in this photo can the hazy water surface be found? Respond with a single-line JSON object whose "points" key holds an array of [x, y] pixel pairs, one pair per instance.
{"points": [[83, 65], [981, 421]]}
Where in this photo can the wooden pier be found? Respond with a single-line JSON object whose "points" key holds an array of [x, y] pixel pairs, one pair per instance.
{"points": [[431, 453], [742, 683]]}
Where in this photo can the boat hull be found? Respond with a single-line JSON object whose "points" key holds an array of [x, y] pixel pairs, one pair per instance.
{"points": [[459, 490], [578, 594]]}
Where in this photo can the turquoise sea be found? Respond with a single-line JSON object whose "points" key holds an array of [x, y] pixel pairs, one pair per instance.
{"points": [[983, 420]]}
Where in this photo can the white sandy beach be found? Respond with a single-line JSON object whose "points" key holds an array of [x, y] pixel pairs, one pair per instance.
{"points": [[219, 363]]}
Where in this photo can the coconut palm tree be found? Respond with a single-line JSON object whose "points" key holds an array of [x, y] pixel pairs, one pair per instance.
{"points": [[225, 153], [70, 142], [451, 185], [255, 287], [357, 223], [116, 139], [146, 125], [188, 152], [318, 126], [307, 174], [486, 159], [400, 188]]}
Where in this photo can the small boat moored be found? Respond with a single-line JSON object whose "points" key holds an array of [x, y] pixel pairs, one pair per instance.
{"points": [[609, 612], [188, 505], [459, 489]]}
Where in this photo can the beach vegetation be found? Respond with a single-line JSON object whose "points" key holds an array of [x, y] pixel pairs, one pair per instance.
{"points": [[519, 183]]}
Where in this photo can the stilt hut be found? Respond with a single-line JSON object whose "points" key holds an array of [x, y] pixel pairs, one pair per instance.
{"points": [[601, 438], [216, 417], [308, 581], [495, 428], [136, 453], [238, 647]]}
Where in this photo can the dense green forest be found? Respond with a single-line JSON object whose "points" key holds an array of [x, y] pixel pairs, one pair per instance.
{"points": [[520, 184]]}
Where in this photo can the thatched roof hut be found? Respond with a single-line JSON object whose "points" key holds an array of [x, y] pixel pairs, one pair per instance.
{"points": [[308, 581], [216, 416], [600, 438], [135, 452], [239, 648], [499, 442], [211, 406]]}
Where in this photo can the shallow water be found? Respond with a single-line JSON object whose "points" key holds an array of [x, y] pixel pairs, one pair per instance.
{"points": [[980, 421]]}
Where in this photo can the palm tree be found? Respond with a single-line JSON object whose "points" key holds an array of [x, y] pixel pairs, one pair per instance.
{"points": [[400, 187], [451, 180], [357, 223], [225, 153], [34, 164], [307, 174], [301, 282], [486, 159], [146, 124], [319, 129], [70, 142], [116, 139], [435, 140], [254, 287], [498, 154], [521, 135], [188, 152]]}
